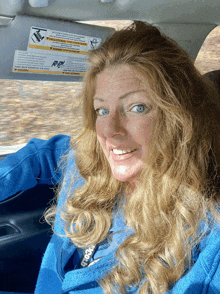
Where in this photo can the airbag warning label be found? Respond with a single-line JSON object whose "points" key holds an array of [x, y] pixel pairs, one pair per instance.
{"points": [[45, 38], [54, 52], [48, 64]]}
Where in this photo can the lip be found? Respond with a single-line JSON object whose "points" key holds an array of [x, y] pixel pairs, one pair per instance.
{"points": [[121, 157]]}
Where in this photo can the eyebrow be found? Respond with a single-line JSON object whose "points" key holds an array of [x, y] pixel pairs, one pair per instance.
{"points": [[123, 96]]}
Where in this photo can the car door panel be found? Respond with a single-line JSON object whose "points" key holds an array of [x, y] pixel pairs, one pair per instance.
{"points": [[24, 236]]}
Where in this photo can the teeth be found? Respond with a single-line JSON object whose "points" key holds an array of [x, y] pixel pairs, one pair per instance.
{"points": [[117, 151]]}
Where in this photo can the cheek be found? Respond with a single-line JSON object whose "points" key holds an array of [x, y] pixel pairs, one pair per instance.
{"points": [[146, 135], [99, 128], [99, 134], [140, 131]]}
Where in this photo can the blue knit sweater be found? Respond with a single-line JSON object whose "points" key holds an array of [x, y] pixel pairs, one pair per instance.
{"points": [[37, 163]]}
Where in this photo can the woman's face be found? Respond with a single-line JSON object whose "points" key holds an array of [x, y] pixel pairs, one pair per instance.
{"points": [[125, 114]]}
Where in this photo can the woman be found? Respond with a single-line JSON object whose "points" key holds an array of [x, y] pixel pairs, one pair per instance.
{"points": [[138, 209]]}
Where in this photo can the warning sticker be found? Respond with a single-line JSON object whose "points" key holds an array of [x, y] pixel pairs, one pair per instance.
{"points": [[31, 62], [54, 52], [56, 41]]}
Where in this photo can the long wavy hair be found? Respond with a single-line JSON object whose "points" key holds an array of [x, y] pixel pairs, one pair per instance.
{"points": [[178, 186]]}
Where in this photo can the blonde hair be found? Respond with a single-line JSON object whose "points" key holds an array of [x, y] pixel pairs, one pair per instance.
{"points": [[178, 186]]}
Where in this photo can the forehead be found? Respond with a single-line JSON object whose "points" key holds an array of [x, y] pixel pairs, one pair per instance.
{"points": [[118, 80]]}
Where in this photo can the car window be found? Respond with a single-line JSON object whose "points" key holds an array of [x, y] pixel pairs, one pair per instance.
{"points": [[42, 109], [208, 58]]}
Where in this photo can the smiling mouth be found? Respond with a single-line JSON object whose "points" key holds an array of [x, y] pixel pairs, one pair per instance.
{"points": [[122, 156], [123, 151]]}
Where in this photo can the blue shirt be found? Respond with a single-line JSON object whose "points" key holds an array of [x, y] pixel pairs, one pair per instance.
{"points": [[37, 163]]}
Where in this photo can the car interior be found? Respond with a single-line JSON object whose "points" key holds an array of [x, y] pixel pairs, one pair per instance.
{"points": [[48, 40]]}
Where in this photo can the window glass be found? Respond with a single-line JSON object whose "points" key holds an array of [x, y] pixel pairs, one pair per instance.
{"points": [[208, 58], [42, 109], [37, 109]]}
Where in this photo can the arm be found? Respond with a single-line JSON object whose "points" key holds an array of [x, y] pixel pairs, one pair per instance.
{"points": [[36, 163]]}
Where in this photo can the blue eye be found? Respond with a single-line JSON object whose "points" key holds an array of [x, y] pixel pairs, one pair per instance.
{"points": [[101, 111], [139, 108]]}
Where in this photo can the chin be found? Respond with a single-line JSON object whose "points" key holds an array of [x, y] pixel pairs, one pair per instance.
{"points": [[122, 177], [125, 173]]}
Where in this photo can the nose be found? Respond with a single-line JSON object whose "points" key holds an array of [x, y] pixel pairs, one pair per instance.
{"points": [[114, 126]]}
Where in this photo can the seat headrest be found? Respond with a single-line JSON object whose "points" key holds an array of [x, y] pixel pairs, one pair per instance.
{"points": [[214, 76]]}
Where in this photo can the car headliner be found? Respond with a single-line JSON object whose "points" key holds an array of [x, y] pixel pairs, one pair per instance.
{"points": [[157, 11]]}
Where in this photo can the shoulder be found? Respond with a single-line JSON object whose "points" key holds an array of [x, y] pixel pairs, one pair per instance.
{"points": [[210, 254], [209, 257], [204, 275]]}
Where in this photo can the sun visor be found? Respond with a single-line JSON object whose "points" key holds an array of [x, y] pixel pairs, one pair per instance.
{"points": [[35, 48]]}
